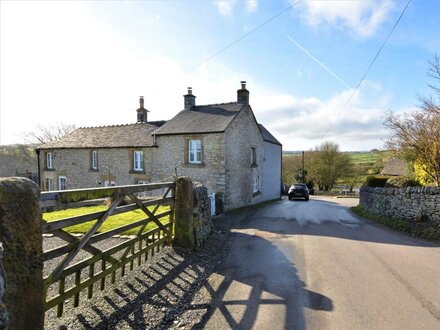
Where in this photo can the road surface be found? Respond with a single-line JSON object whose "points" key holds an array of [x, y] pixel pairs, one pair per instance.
{"points": [[313, 265]]}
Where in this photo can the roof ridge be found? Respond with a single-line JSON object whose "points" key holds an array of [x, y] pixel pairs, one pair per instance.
{"points": [[206, 105], [118, 125]]}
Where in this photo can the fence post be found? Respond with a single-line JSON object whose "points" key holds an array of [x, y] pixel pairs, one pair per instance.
{"points": [[183, 210], [20, 233]]}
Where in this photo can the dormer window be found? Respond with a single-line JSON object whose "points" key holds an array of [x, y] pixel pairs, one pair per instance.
{"points": [[138, 160]]}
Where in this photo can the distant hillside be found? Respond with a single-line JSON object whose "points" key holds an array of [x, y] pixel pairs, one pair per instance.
{"points": [[17, 159]]}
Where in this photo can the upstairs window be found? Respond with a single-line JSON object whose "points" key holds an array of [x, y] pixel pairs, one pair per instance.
{"points": [[94, 160], [49, 160], [253, 156], [195, 151], [62, 183], [138, 161]]}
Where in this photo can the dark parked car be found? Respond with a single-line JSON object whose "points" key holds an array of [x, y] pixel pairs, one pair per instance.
{"points": [[299, 190]]}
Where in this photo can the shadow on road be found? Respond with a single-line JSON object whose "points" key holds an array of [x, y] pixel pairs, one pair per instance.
{"points": [[319, 218], [259, 287]]}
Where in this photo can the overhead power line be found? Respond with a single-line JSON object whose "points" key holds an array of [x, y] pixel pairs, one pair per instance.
{"points": [[366, 72], [244, 36]]}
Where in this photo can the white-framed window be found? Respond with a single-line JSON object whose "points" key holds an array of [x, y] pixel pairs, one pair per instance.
{"points": [[195, 151], [253, 156], [49, 160], [94, 160], [49, 184], [138, 160], [255, 184], [62, 183]]}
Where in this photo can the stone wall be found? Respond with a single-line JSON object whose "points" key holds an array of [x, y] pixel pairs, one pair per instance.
{"points": [[201, 214], [192, 214], [412, 203], [241, 135], [171, 154], [114, 165]]}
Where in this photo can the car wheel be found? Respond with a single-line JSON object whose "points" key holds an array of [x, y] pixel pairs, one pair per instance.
{"points": [[307, 198], [290, 198]]}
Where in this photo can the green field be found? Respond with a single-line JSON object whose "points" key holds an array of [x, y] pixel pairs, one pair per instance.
{"points": [[112, 222], [364, 164]]}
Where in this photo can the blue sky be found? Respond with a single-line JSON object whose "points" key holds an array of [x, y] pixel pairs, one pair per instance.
{"points": [[87, 62]]}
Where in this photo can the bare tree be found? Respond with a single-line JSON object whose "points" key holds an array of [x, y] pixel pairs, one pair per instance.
{"points": [[44, 134], [416, 136], [328, 165]]}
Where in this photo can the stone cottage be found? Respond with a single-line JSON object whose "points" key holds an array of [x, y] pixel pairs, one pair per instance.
{"points": [[219, 145]]}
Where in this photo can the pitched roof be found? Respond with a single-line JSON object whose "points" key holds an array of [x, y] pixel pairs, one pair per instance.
{"points": [[395, 167], [267, 136], [130, 135], [201, 119]]}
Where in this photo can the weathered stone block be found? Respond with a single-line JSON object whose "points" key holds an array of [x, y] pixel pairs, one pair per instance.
{"points": [[20, 233]]}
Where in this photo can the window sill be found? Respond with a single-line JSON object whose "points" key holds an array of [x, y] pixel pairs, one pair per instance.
{"points": [[194, 165], [49, 169], [254, 165], [93, 170], [137, 172], [255, 194]]}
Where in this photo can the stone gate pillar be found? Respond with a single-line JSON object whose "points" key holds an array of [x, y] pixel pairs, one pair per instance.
{"points": [[20, 234]]}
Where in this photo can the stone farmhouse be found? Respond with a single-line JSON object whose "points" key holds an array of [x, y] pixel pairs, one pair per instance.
{"points": [[220, 145]]}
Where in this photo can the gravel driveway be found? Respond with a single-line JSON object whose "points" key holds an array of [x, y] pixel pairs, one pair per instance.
{"points": [[160, 294]]}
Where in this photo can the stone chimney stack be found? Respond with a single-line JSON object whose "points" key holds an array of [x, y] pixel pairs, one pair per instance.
{"points": [[142, 113], [243, 94], [190, 99]]}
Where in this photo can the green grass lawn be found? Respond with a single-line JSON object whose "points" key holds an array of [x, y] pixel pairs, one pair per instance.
{"points": [[112, 222]]}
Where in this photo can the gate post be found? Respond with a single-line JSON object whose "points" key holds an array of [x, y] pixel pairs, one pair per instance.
{"points": [[183, 210], [20, 233]]}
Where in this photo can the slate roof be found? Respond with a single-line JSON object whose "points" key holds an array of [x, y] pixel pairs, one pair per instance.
{"points": [[130, 135], [394, 167], [267, 136], [202, 119]]}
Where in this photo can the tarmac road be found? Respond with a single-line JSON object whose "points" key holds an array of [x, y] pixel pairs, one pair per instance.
{"points": [[314, 265]]}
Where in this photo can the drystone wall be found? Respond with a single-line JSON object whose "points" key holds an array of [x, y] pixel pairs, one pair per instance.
{"points": [[412, 203], [201, 214]]}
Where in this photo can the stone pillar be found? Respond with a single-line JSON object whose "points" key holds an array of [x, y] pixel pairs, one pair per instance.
{"points": [[183, 214], [20, 233]]}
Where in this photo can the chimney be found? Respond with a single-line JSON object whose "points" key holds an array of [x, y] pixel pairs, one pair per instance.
{"points": [[142, 112], [243, 94], [190, 99]]}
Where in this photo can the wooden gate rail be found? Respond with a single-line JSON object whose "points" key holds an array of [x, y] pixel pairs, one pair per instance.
{"points": [[111, 259]]}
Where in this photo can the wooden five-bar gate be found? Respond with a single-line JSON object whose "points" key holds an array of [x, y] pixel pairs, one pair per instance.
{"points": [[99, 264]]}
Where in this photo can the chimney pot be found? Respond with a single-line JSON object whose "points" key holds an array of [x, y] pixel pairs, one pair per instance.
{"points": [[189, 99], [142, 113], [243, 94]]}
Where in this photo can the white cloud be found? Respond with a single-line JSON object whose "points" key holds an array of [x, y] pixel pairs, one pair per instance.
{"points": [[301, 123], [84, 75], [361, 18], [251, 5], [226, 7]]}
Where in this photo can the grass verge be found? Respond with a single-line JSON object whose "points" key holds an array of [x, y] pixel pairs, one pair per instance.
{"points": [[112, 222], [427, 229]]}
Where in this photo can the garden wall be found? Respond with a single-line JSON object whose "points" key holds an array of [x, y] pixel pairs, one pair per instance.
{"points": [[412, 203]]}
